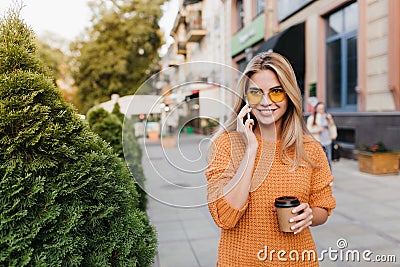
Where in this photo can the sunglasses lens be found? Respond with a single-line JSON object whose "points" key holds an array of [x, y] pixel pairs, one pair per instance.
{"points": [[254, 98], [277, 96], [255, 95]]}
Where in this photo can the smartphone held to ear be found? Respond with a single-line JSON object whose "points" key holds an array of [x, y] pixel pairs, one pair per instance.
{"points": [[248, 114]]}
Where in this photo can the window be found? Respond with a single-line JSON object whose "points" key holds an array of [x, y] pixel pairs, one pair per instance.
{"points": [[341, 55], [240, 14], [260, 6]]}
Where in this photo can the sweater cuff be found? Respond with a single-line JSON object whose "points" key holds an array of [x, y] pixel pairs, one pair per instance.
{"points": [[229, 215]]}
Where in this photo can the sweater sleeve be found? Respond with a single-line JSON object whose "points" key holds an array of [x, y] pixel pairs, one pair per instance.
{"points": [[219, 171], [321, 190]]}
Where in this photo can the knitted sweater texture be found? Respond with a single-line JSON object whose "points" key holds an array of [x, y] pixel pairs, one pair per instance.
{"points": [[250, 236]]}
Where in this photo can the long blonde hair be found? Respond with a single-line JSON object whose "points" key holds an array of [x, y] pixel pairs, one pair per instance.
{"points": [[293, 125]]}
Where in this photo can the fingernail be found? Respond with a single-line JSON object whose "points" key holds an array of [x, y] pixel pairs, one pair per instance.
{"points": [[292, 227], [294, 211], [291, 220]]}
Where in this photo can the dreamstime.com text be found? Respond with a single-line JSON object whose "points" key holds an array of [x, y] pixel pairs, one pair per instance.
{"points": [[341, 253]]}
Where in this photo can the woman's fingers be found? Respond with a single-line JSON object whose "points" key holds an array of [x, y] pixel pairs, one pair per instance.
{"points": [[304, 219], [245, 126], [243, 112], [249, 124]]}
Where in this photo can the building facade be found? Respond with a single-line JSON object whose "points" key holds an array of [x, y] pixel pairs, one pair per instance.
{"points": [[196, 65], [345, 53]]}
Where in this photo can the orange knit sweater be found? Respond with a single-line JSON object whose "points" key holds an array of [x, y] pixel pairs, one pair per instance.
{"points": [[251, 236]]}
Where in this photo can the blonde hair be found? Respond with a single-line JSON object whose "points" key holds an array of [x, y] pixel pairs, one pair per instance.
{"points": [[293, 125]]}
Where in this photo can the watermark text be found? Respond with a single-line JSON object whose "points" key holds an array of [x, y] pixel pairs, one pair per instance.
{"points": [[340, 253]]}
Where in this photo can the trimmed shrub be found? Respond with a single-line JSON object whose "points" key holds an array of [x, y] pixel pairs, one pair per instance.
{"points": [[109, 127], [66, 198]]}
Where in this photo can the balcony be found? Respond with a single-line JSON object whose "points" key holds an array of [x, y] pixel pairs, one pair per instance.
{"points": [[196, 35], [194, 28], [182, 48], [172, 63], [190, 2]]}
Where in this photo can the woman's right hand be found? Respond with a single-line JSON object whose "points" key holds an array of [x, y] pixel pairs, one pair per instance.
{"points": [[246, 128]]}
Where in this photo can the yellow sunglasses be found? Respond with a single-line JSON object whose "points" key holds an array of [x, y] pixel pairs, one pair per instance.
{"points": [[254, 95]]}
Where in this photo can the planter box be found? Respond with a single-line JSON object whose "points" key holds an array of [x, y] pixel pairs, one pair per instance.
{"points": [[153, 136], [378, 163], [168, 141]]}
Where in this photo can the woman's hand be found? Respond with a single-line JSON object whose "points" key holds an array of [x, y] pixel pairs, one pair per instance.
{"points": [[246, 128], [321, 129], [304, 219], [329, 118]]}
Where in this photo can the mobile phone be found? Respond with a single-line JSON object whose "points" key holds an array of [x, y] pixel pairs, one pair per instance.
{"points": [[248, 114]]}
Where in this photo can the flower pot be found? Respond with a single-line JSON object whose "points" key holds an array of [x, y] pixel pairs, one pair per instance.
{"points": [[168, 141], [153, 136], [378, 163]]}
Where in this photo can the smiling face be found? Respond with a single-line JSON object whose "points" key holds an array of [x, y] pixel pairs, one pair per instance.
{"points": [[268, 113]]}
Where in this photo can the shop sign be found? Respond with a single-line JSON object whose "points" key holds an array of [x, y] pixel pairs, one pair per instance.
{"points": [[248, 35]]}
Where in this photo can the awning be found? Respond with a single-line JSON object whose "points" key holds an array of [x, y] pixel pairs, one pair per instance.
{"points": [[289, 43], [190, 2], [135, 104]]}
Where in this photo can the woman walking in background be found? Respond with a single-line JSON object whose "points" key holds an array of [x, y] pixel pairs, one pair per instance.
{"points": [[264, 153], [319, 124]]}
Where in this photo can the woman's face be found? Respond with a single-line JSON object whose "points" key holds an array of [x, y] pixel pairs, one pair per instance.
{"points": [[267, 112], [320, 108]]}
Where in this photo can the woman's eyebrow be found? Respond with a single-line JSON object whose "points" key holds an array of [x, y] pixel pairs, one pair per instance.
{"points": [[272, 88], [276, 87]]}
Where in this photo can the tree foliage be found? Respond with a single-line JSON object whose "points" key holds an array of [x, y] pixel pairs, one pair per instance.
{"points": [[121, 51], [110, 127], [66, 198], [53, 58]]}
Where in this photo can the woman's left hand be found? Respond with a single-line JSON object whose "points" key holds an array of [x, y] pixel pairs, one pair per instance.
{"points": [[304, 219]]}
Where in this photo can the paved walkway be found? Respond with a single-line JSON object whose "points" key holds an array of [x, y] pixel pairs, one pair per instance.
{"points": [[367, 216]]}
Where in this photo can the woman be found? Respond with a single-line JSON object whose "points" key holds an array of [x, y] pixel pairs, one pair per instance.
{"points": [[260, 157], [318, 124]]}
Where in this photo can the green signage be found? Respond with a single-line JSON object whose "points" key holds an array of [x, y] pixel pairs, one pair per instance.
{"points": [[248, 35]]}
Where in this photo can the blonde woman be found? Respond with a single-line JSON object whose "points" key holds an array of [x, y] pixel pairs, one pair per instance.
{"points": [[263, 153]]}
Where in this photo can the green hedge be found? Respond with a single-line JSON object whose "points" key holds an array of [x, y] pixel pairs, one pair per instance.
{"points": [[110, 127], [66, 198]]}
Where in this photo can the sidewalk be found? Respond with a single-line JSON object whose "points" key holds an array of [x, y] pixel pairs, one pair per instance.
{"points": [[366, 217]]}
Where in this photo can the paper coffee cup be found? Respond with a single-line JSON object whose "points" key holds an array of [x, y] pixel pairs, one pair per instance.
{"points": [[284, 206]]}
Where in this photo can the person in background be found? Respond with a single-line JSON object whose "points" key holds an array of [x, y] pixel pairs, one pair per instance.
{"points": [[318, 124], [264, 152]]}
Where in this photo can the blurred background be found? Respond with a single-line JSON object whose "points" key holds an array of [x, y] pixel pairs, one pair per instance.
{"points": [[345, 53]]}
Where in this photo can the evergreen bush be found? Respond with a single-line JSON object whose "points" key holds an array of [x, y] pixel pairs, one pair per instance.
{"points": [[110, 127], [66, 198]]}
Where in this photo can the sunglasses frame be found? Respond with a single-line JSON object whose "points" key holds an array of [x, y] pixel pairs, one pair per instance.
{"points": [[270, 96]]}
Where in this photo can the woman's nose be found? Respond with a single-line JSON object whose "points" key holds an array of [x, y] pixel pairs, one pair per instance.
{"points": [[266, 101]]}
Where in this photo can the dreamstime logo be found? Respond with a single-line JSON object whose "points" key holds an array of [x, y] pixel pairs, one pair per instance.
{"points": [[332, 254], [353, 255], [194, 95]]}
